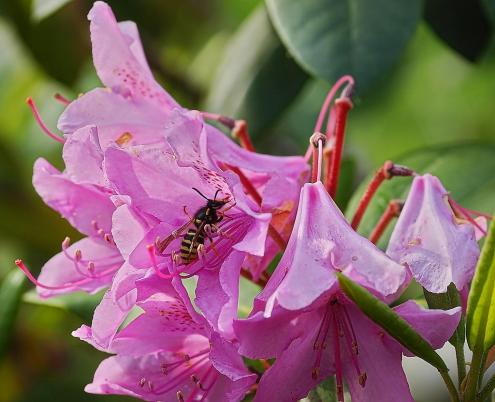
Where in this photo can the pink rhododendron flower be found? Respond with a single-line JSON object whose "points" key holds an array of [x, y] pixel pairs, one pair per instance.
{"points": [[431, 241], [322, 243], [134, 110], [303, 319], [170, 353], [146, 175], [333, 337]]}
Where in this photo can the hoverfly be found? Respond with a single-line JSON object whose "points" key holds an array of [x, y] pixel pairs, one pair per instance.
{"points": [[199, 226]]}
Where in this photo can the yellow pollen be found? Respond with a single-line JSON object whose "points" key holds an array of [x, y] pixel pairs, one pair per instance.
{"points": [[124, 139]]}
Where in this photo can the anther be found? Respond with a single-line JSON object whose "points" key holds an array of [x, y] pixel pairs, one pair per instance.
{"points": [[362, 379], [315, 373], [142, 381], [78, 255], [91, 266], [62, 99], [66, 243], [355, 348], [180, 396]]}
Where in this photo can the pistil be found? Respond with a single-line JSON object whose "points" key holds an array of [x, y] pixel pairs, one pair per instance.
{"points": [[40, 122]]}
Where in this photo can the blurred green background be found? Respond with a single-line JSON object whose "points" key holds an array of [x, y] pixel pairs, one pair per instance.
{"points": [[216, 55]]}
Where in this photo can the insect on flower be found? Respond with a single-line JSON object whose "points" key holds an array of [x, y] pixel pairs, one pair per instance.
{"points": [[204, 223]]}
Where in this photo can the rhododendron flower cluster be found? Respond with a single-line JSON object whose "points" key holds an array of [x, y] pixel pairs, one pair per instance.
{"points": [[163, 196]]}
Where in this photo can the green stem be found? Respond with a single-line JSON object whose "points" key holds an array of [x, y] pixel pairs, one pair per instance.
{"points": [[474, 374], [459, 351], [487, 390], [454, 396]]}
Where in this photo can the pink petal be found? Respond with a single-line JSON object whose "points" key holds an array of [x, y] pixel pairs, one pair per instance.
{"points": [[60, 271], [119, 59], [83, 157], [290, 377], [436, 326], [217, 293], [386, 381], [79, 204], [321, 243], [427, 238], [114, 115]]}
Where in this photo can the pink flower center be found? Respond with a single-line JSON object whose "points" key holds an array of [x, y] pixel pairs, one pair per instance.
{"points": [[193, 372], [336, 318]]}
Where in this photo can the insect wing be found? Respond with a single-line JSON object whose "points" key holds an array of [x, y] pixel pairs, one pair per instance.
{"points": [[161, 245]]}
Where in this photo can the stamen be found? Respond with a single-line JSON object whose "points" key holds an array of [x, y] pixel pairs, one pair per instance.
{"points": [[62, 99], [320, 343], [393, 210], [175, 381], [459, 209], [180, 396], [151, 254], [386, 172], [352, 345], [20, 264], [317, 140], [338, 361], [40, 122]]}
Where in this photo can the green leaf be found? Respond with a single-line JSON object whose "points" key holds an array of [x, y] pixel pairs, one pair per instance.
{"points": [[462, 25], [256, 80], [481, 302], [79, 303], [10, 296], [391, 322], [330, 38], [466, 171]]}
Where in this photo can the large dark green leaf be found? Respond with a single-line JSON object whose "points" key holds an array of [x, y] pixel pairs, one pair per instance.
{"points": [[257, 80], [10, 296], [331, 38], [60, 54], [391, 322], [463, 25], [466, 171]]}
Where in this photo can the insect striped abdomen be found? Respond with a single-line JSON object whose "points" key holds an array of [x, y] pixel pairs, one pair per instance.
{"points": [[189, 247]]}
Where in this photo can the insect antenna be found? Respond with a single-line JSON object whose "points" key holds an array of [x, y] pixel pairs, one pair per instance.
{"points": [[200, 193], [216, 193]]}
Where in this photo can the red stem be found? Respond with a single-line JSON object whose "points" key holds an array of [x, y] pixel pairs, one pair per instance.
{"points": [[342, 107], [393, 211], [380, 176]]}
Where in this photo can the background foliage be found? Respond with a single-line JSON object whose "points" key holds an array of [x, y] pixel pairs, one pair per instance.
{"points": [[425, 74]]}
